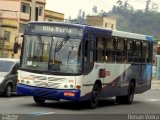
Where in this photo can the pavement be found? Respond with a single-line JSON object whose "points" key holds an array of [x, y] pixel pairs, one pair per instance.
{"points": [[155, 84]]}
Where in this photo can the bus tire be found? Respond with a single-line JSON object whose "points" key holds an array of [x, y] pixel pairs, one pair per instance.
{"points": [[131, 90], [120, 99], [38, 100], [95, 96], [127, 99]]}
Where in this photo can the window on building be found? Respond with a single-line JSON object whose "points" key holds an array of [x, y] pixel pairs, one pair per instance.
{"points": [[7, 35], [40, 11], [25, 7], [21, 27], [106, 25], [50, 19], [112, 26]]}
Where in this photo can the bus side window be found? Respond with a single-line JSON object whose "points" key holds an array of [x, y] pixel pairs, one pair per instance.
{"points": [[100, 48], [150, 52], [120, 51], [130, 50], [88, 57], [110, 53], [138, 52]]}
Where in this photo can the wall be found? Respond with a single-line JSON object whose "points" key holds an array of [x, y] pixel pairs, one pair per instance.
{"points": [[104, 22]]}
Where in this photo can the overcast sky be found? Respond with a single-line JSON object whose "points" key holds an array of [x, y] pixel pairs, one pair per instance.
{"points": [[71, 7]]}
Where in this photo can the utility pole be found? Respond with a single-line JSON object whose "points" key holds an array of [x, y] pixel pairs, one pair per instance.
{"points": [[1, 32], [33, 13]]}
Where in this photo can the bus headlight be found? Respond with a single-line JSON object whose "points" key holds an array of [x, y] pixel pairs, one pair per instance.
{"points": [[71, 86], [65, 86]]}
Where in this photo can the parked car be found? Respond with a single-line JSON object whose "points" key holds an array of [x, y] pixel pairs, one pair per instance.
{"points": [[8, 75]]}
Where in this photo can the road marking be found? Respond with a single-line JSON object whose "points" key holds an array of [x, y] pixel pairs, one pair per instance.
{"points": [[155, 88], [153, 100], [41, 113]]}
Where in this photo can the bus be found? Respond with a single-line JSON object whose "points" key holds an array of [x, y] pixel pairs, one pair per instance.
{"points": [[79, 62]]}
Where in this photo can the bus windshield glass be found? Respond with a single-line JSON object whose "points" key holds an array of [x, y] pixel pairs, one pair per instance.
{"points": [[53, 54]]}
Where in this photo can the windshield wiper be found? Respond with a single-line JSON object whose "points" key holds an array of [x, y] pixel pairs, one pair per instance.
{"points": [[60, 45], [40, 42]]}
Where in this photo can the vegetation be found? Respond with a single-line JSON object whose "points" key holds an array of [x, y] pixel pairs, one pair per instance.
{"points": [[137, 21], [145, 21]]}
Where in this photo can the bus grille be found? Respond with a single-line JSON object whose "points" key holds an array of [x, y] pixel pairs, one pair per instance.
{"points": [[49, 82]]}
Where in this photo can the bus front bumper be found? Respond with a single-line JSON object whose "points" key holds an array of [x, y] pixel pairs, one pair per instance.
{"points": [[48, 93]]}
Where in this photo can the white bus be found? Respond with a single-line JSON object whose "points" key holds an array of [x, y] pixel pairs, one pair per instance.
{"points": [[80, 62]]}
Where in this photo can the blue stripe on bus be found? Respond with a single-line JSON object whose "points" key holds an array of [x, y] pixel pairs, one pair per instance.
{"points": [[149, 38], [47, 92]]}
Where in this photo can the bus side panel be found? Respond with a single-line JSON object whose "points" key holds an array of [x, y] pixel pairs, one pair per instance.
{"points": [[118, 86], [114, 80], [118, 82], [144, 83], [89, 80]]}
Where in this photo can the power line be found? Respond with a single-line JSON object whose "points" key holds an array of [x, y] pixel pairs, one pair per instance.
{"points": [[102, 4]]}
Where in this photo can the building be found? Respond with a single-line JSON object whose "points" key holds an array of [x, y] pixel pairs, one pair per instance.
{"points": [[53, 16], [14, 15], [104, 22]]}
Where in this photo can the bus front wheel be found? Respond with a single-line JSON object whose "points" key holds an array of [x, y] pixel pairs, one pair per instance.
{"points": [[95, 96], [38, 100]]}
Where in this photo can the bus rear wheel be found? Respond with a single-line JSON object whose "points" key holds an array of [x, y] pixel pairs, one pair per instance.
{"points": [[131, 90], [39, 100], [127, 99], [95, 96]]}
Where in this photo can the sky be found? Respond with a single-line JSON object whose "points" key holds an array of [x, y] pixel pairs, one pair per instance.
{"points": [[72, 7]]}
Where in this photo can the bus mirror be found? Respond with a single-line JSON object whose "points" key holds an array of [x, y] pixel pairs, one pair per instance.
{"points": [[15, 47], [22, 35]]}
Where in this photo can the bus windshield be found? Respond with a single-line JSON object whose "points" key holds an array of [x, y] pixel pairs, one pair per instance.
{"points": [[53, 54]]}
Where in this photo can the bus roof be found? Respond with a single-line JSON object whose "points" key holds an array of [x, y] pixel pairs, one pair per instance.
{"points": [[58, 23], [115, 33], [131, 35]]}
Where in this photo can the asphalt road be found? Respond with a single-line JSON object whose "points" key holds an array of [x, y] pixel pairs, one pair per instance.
{"points": [[24, 108]]}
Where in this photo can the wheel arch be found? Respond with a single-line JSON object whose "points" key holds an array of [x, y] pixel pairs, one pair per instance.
{"points": [[99, 82], [134, 81], [9, 82]]}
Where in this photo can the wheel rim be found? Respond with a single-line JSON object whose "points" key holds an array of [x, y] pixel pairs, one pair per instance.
{"points": [[131, 94], [9, 90], [95, 96]]}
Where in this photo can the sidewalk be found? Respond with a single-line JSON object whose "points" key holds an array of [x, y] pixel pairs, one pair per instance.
{"points": [[155, 84]]}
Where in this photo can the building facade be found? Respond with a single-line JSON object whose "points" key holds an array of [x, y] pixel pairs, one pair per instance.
{"points": [[53, 16], [14, 15], [104, 22]]}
